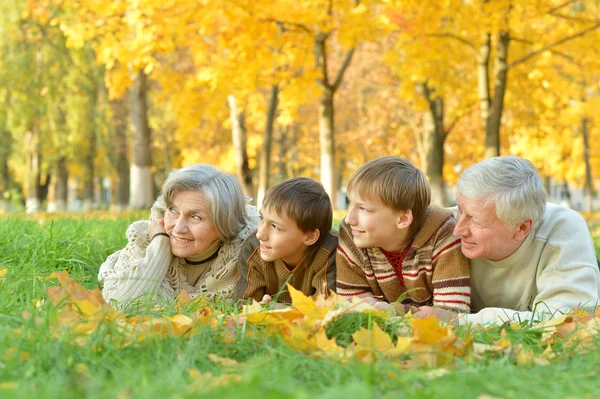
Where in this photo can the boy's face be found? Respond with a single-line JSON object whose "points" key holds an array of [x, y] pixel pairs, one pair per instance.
{"points": [[280, 238], [374, 224]]}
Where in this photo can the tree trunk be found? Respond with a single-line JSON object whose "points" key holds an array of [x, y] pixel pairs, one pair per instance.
{"points": [[120, 149], [588, 190], [282, 149], [326, 142], [57, 193], [436, 136], [32, 169], [492, 126], [483, 79], [264, 163], [142, 185], [238, 132], [89, 175], [5, 151]]}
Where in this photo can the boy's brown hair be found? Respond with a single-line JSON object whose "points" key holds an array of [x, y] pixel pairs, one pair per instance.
{"points": [[397, 182], [304, 201]]}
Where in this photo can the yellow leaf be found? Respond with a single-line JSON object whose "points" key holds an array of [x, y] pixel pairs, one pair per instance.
{"points": [[301, 302], [428, 330], [374, 339], [180, 324], [255, 307], [325, 344], [86, 307], [550, 324], [223, 361], [183, 297], [3, 272], [7, 386]]}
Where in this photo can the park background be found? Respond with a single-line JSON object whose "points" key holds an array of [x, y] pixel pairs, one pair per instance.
{"points": [[100, 100]]}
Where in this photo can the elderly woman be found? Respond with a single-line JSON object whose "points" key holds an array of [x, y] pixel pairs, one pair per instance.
{"points": [[191, 241]]}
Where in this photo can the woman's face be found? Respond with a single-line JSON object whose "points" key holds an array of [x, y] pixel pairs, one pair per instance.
{"points": [[189, 224]]}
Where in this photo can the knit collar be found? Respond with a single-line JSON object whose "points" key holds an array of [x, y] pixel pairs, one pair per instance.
{"points": [[207, 255], [436, 216], [518, 256]]}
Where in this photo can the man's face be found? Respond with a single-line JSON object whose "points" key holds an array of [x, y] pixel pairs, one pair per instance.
{"points": [[482, 234]]}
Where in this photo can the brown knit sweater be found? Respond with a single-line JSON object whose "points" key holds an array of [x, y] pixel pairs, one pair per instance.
{"points": [[257, 277], [435, 272]]}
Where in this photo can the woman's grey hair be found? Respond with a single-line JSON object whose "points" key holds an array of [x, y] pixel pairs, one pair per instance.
{"points": [[512, 183], [222, 192]]}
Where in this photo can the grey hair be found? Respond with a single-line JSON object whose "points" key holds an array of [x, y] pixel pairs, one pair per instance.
{"points": [[222, 192], [512, 183]]}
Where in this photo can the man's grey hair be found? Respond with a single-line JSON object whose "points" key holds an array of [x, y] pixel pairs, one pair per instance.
{"points": [[223, 194], [512, 183]]}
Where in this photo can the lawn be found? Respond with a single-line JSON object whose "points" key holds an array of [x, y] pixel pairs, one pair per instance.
{"points": [[36, 361]]}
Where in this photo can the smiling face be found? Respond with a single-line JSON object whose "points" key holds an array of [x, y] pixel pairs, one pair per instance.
{"points": [[280, 238], [374, 224], [189, 224], [483, 235]]}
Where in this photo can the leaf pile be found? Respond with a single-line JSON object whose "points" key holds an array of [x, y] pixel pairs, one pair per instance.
{"points": [[334, 328]]}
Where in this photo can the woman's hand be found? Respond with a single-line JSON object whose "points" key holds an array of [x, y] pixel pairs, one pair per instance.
{"points": [[156, 226]]}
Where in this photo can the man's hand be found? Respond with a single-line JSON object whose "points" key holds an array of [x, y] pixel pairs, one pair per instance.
{"points": [[266, 299], [445, 315], [156, 226]]}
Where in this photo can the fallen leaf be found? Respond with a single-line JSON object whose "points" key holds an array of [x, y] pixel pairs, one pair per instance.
{"points": [[223, 361]]}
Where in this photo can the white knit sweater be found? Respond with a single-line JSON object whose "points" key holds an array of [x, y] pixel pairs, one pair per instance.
{"points": [[147, 268], [554, 271]]}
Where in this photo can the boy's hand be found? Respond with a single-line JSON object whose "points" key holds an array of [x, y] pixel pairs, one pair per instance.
{"points": [[380, 305], [272, 305], [445, 315], [156, 226]]}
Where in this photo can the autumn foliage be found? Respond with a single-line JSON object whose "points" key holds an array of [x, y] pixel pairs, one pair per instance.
{"points": [[82, 318]]}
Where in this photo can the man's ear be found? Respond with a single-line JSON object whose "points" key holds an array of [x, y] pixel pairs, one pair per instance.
{"points": [[405, 219], [311, 237], [522, 229]]}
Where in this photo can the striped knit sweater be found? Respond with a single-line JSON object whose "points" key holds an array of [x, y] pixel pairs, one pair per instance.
{"points": [[434, 270]]}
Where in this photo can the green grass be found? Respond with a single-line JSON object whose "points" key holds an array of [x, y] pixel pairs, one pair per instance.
{"points": [[57, 368]]}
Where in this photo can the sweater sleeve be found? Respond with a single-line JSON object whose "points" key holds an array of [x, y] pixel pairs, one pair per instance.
{"points": [[138, 269], [351, 280], [251, 282], [569, 276], [324, 280], [450, 280]]}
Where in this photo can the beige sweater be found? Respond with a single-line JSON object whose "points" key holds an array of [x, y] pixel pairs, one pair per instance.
{"points": [[554, 271], [147, 268]]}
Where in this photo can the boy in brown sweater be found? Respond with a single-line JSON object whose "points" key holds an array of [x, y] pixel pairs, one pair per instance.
{"points": [[393, 244], [294, 243]]}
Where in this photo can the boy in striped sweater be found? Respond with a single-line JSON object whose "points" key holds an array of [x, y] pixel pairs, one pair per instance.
{"points": [[394, 247], [294, 243]]}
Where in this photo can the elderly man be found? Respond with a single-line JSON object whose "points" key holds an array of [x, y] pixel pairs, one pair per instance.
{"points": [[529, 259]]}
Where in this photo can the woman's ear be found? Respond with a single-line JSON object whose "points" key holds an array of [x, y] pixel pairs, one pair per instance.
{"points": [[311, 237], [405, 219]]}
